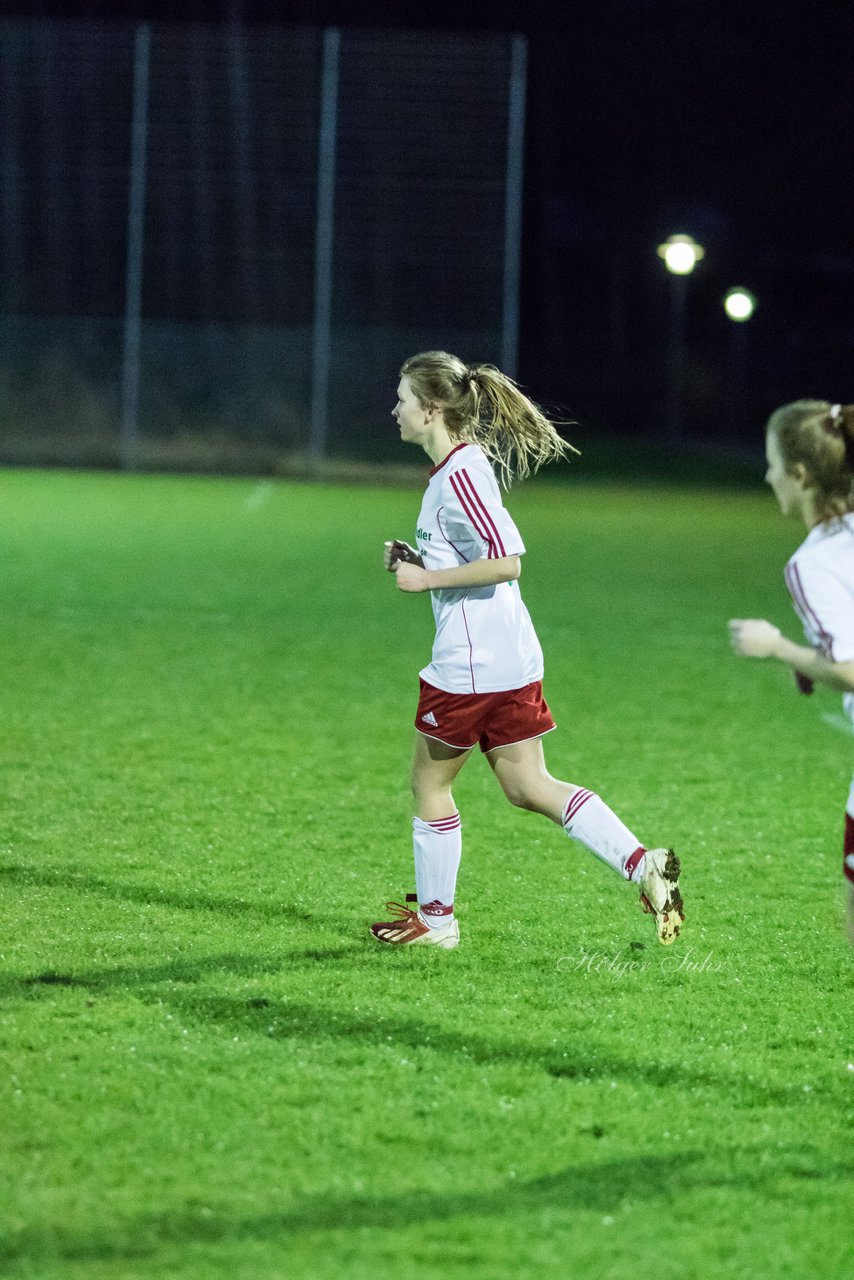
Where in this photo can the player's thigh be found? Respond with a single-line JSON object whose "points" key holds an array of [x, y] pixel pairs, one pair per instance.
{"points": [[519, 767], [435, 765]]}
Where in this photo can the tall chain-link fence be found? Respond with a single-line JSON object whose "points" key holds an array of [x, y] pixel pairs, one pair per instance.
{"points": [[219, 244]]}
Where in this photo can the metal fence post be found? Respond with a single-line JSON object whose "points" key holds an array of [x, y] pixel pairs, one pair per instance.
{"points": [[128, 443], [513, 204], [321, 351]]}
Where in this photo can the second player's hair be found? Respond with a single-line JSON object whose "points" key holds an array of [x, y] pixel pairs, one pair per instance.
{"points": [[820, 436], [483, 405]]}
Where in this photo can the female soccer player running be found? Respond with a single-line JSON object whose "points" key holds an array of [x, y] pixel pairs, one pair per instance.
{"points": [[810, 450], [483, 686]]}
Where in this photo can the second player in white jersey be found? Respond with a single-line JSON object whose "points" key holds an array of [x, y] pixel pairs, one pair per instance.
{"points": [[810, 449], [820, 579]]}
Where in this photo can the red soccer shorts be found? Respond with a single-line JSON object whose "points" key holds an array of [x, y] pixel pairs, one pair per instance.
{"points": [[491, 719]]}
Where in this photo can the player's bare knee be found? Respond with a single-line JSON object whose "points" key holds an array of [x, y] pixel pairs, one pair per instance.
{"points": [[533, 798], [521, 798]]}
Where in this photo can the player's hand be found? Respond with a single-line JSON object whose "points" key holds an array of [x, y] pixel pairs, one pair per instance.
{"points": [[410, 577], [753, 637], [395, 551]]}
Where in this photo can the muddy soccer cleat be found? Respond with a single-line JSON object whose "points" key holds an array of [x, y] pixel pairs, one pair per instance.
{"points": [[659, 893], [408, 928]]}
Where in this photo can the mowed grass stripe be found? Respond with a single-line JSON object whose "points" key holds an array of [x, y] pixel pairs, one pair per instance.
{"points": [[211, 1070]]}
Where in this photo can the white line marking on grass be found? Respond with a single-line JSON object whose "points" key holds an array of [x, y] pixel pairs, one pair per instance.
{"points": [[259, 495]]}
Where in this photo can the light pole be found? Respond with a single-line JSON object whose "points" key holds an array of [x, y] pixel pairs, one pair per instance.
{"points": [[681, 254], [739, 304]]}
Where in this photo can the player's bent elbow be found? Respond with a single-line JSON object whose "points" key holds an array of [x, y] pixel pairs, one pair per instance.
{"points": [[514, 568]]}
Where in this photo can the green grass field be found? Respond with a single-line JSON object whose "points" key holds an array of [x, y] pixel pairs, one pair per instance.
{"points": [[209, 1068]]}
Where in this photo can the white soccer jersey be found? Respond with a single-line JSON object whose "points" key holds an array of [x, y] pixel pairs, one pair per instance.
{"points": [[820, 578], [485, 640]]}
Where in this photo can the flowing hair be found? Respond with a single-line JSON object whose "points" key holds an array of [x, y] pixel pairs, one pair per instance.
{"points": [[820, 436], [480, 404]]}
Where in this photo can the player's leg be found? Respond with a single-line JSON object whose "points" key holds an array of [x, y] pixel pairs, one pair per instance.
{"points": [[525, 780], [436, 829], [434, 769], [521, 770], [437, 847]]}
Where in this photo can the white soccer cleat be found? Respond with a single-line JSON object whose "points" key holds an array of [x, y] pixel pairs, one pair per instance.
{"points": [[409, 929], [659, 893]]}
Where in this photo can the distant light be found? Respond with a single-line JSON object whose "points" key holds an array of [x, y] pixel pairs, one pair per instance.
{"points": [[681, 254], [739, 304]]}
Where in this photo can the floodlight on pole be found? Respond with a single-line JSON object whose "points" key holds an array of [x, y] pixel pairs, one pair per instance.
{"points": [[681, 254], [739, 304]]}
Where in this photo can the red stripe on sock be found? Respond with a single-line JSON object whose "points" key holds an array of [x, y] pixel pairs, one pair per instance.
{"points": [[437, 908], [574, 804], [445, 824], [633, 860]]}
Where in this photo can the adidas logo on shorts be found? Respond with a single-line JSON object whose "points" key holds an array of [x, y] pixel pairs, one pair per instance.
{"points": [[430, 719]]}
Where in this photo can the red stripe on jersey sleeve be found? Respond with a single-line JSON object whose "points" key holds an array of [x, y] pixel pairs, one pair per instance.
{"points": [[476, 521], [477, 511], [483, 508], [805, 609]]}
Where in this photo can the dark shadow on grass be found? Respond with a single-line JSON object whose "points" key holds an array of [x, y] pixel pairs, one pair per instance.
{"points": [[285, 1020], [274, 1017], [150, 895], [271, 1016], [655, 1182], [137, 980]]}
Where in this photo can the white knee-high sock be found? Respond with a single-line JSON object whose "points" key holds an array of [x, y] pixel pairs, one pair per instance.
{"points": [[438, 848], [588, 819]]}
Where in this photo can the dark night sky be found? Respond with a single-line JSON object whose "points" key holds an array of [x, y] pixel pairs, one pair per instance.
{"points": [[732, 122]]}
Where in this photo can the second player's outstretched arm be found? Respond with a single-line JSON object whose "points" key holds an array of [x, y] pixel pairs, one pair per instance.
{"points": [[757, 638]]}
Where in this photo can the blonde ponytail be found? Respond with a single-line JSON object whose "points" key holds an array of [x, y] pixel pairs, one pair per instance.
{"points": [[484, 406]]}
